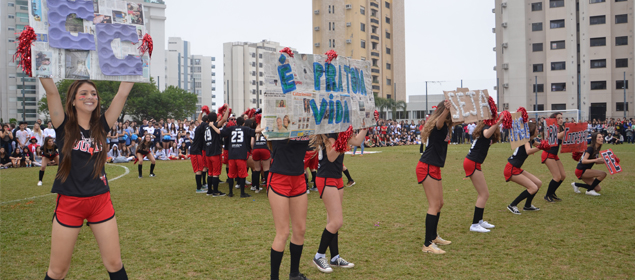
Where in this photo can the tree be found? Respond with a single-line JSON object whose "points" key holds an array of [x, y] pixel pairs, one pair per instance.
{"points": [[381, 104], [401, 105], [172, 103]]}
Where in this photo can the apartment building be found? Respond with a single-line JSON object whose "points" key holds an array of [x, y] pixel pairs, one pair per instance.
{"points": [[372, 30], [565, 54]]}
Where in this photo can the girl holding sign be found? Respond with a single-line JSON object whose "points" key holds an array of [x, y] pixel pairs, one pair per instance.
{"points": [[514, 173], [583, 171], [81, 183], [551, 159]]}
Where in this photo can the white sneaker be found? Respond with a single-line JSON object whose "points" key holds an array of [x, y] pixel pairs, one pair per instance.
{"points": [[486, 224], [247, 182], [593, 193], [39, 183], [478, 228], [575, 189], [253, 188], [308, 191]]}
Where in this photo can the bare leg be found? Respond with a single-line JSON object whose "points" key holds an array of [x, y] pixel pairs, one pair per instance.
{"points": [[107, 237], [62, 244]]}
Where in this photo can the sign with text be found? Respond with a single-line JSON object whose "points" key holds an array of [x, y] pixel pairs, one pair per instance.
{"points": [[468, 106], [305, 95], [550, 133], [94, 39], [519, 133], [609, 160], [574, 139]]}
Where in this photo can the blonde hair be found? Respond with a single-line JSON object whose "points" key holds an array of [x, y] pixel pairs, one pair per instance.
{"points": [[478, 132], [432, 122]]}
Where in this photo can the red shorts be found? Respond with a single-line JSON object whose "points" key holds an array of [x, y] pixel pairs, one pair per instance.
{"points": [[579, 172], [225, 157], [546, 155], [71, 211], [287, 186], [260, 154], [237, 168], [311, 160], [470, 166], [214, 165], [322, 183], [511, 170], [424, 170], [198, 162]]}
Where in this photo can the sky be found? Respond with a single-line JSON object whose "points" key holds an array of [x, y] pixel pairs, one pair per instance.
{"points": [[446, 41]]}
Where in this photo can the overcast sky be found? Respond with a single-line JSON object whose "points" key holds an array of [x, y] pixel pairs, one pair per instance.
{"points": [[445, 40]]}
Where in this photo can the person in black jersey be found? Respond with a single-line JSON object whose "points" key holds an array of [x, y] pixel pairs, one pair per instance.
{"points": [[49, 154], [485, 136], [331, 188], [144, 149], [225, 155], [81, 184], [311, 163], [239, 147], [262, 160], [213, 151], [436, 134], [551, 159], [197, 154], [583, 171], [513, 172]]}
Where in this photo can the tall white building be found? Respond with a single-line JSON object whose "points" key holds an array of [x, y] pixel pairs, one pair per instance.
{"points": [[243, 73], [155, 26]]}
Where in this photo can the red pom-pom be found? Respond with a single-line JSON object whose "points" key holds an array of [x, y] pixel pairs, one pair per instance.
{"points": [[287, 51], [493, 108], [507, 119], [544, 145], [222, 109], [617, 160], [23, 53], [231, 123], [341, 145], [205, 109], [376, 116], [250, 113], [524, 114], [258, 118], [576, 156], [330, 56], [146, 45]]}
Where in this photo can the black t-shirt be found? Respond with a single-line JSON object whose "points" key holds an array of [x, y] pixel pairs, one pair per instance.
{"points": [[49, 152], [225, 142], [239, 141], [213, 145], [554, 150], [261, 142], [80, 181], [328, 169], [437, 147], [520, 155], [288, 156], [589, 150], [5, 159], [197, 143], [480, 147]]}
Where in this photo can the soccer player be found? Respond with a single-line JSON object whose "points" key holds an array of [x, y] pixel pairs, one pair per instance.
{"points": [[239, 147], [197, 155], [213, 151]]}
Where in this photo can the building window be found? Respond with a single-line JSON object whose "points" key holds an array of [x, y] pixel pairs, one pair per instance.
{"points": [[621, 62], [375, 62], [363, 45], [558, 86], [558, 65], [597, 42], [387, 35], [537, 26], [538, 67], [539, 88], [621, 41], [596, 1], [597, 20], [362, 10], [558, 23], [619, 106], [598, 63], [620, 84], [536, 6], [259, 55], [558, 106], [621, 19], [388, 66], [375, 79], [387, 50], [540, 107], [537, 47], [374, 45], [598, 85], [362, 27], [373, 12], [557, 45], [11, 4], [388, 20], [556, 3], [11, 16], [387, 5], [373, 29], [388, 81]]}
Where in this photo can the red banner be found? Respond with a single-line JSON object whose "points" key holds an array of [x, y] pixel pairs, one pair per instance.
{"points": [[550, 132], [611, 164], [574, 139]]}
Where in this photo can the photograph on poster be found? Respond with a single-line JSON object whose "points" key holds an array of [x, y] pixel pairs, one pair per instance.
{"points": [[96, 6], [77, 64], [36, 10], [74, 24], [119, 17], [43, 63], [102, 19], [135, 11]]}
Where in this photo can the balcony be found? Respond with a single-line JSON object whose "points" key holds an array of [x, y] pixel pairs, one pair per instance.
{"points": [[373, 37], [374, 4], [374, 54], [374, 20], [376, 87], [374, 70]]}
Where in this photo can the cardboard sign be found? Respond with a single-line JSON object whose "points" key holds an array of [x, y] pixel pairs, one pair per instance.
{"points": [[519, 133], [95, 40], [468, 106], [550, 133], [609, 160], [304, 95], [574, 139]]}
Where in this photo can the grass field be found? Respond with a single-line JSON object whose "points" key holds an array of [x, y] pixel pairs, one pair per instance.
{"points": [[169, 232]]}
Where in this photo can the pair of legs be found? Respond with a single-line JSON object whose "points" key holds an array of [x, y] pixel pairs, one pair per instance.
{"points": [[63, 242], [152, 163], [260, 165], [355, 149], [592, 179], [332, 198], [283, 210], [478, 180], [434, 193], [558, 175], [45, 162], [532, 184]]}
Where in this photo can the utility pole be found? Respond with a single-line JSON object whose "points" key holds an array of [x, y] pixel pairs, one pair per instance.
{"points": [[23, 103], [624, 86]]}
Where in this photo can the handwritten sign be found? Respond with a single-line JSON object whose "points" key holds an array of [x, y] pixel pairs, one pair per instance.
{"points": [[519, 133], [574, 138], [609, 160], [468, 106], [550, 133]]}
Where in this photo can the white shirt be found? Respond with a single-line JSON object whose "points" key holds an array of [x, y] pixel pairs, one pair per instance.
{"points": [[471, 127], [23, 136], [48, 132], [149, 130]]}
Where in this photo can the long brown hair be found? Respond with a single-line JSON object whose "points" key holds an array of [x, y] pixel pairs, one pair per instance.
{"points": [[72, 133], [594, 137], [432, 122], [533, 131], [478, 132], [145, 145]]}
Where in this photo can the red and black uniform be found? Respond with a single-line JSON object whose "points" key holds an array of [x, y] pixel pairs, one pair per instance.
{"points": [[329, 173], [311, 159], [261, 150], [197, 155], [477, 154], [225, 155], [516, 161], [143, 151], [579, 170], [213, 149], [50, 153], [82, 196], [286, 175], [433, 157], [239, 147], [551, 153]]}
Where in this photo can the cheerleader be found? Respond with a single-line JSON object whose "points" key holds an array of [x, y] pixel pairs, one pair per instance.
{"points": [[436, 134], [514, 173], [144, 149], [331, 188], [551, 159], [81, 183], [485, 136], [49, 155], [583, 171]]}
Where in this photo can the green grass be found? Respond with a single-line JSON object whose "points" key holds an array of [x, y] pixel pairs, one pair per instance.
{"points": [[169, 232]]}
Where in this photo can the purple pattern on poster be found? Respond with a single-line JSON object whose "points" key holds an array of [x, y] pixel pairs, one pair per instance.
{"points": [[57, 14], [110, 65]]}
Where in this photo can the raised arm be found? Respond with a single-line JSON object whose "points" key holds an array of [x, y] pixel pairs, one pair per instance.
{"points": [[331, 153], [116, 106], [444, 115], [224, 118], [490, 131], [359, 138], [56, 109]]}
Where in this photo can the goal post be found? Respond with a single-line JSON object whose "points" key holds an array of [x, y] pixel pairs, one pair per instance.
{"points": [[572, 114]]}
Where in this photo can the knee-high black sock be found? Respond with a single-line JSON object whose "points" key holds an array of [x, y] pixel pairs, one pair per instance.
{"points": [[523, 195], [230, 182], [152, 168], [478, 215], [198, 181], [431, 233], [140, 167], [41, 175], [227, 170], [241, 183], [595, 183], [119, 275], [327, 236], [529, 200], [334, 246], [210, 189], [556, 186], [436, 225], [306, 180], [313, 175], [348, 176], [47, 277], [215, 183], [204, 178], [276, 260], [255, 179], [266, 176], [296, 253], [552, 187]]}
